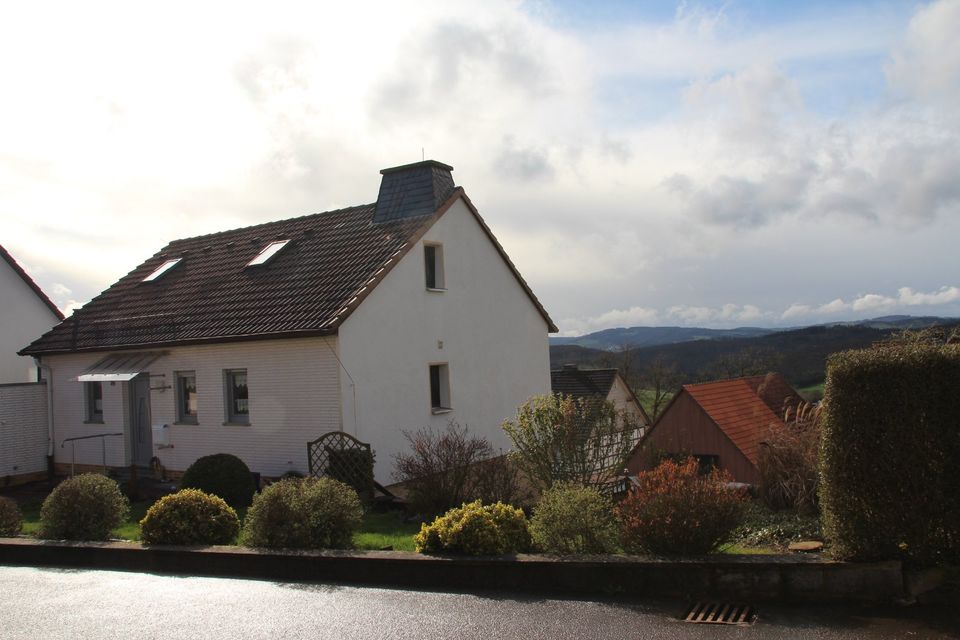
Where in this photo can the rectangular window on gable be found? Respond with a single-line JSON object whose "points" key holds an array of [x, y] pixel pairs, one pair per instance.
{"points": [[433, 267], [440, 388], [93, 399], [237, 398], [186, 396]]}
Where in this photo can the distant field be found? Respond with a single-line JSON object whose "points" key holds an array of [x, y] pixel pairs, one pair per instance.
{"points": [[646, 396], [813, 393]]}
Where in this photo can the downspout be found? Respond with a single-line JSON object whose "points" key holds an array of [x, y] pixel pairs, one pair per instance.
{"points": [[353, 387], [48, 378]]}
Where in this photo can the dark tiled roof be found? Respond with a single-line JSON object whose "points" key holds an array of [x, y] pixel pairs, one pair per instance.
{"points": [[30, 283], [333, 260], [582, 383], [744, 408], [212, 295]]}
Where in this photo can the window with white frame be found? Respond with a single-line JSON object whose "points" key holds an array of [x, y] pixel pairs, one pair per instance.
{"points": [[237, 396], [186, 396], [440, 388], [93, 399], [433, 267]]}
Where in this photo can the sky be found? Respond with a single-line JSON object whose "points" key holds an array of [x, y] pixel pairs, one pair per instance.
{"points": [[712, 164]]}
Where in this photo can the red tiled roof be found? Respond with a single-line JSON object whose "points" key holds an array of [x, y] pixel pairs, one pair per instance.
{"points": [[30, 283], [744, 408]]}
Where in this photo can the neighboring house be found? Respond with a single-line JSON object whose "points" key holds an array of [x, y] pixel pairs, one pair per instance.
{"points": [[570, 380], [401, 314], [25, 312], [721, 424]]}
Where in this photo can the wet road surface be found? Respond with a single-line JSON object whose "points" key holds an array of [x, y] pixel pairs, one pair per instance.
{"points": [[60, 603]]}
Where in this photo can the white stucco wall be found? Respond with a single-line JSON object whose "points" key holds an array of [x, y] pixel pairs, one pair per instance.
{"points": [[294, 398], [493, 338], [624, 400], [23, 319]]}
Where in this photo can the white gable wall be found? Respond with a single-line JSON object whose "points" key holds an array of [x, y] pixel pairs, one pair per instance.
{"points": [[294, 398], [624, 400], [23, 319], [484, 326]]}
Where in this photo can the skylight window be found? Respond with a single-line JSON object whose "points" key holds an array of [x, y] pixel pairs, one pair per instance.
{"points": [[268, 252], [162, 269]]}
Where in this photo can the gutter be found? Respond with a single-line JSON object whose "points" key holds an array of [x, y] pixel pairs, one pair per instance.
{"points": [[48, 378]]}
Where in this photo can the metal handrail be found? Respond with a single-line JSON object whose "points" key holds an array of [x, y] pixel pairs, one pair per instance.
{"points": [[103, 448]]}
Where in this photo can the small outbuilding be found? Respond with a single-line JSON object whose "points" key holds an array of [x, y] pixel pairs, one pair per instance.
{"points": [[722, 424]]}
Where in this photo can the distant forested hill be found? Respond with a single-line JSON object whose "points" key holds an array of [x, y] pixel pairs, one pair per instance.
{"points": [[799, 354]]}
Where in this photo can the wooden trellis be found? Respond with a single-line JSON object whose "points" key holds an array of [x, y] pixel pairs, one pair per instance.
{"points": [[341, 456]]}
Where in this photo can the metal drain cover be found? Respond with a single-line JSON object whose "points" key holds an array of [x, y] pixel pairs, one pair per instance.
{"points": [[721, 613]]}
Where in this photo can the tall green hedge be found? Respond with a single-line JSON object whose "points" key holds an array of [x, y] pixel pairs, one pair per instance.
{"points": [[890, 453]]}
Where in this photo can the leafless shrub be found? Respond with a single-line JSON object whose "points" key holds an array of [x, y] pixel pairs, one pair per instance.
{"points": [[444, 469]]}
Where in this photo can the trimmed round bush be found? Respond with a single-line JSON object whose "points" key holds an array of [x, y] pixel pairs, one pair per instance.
{"points": [[676, 511], [477, 530], [308, 513], [570, 519], [190, 517], [223, 475], [11, 521], [85, 507]]}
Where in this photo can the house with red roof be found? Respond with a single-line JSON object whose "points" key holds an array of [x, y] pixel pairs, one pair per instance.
{"points": [[396, 315], [722, 424], [25, 312]]}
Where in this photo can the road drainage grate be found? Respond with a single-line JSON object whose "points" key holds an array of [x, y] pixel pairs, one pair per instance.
{"points": [[721, 613]]}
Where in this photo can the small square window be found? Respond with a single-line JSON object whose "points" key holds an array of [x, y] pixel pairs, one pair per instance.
{"points": [[237, 396], [93, 393], [440, 388], [433, 267], [186, 395]]}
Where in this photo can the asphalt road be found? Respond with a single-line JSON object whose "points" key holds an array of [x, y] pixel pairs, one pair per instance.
{"points": [[57, 603]]}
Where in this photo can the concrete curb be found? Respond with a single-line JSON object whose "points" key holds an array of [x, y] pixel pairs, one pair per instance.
{"points": [[753, 578]]}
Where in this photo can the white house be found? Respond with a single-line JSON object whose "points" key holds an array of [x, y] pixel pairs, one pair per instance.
{"points": [[571, 380], [401, 314], [25, 311]]}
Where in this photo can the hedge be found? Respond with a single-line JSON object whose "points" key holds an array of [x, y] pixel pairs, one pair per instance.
{"points": [[889, 453]]}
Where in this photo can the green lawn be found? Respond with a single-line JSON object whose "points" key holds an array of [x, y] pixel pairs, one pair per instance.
{"points": [[381, 530]]}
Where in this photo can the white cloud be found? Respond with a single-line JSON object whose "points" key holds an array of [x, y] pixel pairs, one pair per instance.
{"points": [[944, 295], [106, 156], [927, 64]]}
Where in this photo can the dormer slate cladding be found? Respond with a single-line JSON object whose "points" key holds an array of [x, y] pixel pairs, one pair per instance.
{"points": [[413, 190]]}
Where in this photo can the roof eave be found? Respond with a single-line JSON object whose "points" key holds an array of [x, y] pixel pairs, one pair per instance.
{"points": [[276, 335], [30, 283]]}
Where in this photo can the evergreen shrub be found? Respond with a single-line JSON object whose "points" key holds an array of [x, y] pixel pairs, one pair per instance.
{"points": [[308, 513], [476, 529], [890, 443], [223, 475], [570, 519], [190, 517], [85, 507], [11, 522]]}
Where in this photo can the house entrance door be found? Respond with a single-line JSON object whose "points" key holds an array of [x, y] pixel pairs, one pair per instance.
{"points": [[141, 436]]}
